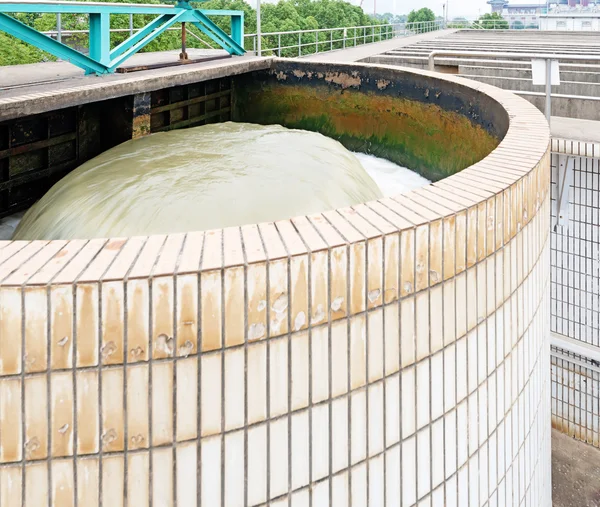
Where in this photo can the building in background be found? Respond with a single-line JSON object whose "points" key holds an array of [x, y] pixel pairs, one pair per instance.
{"points": [[519, 15], [577, 21]]}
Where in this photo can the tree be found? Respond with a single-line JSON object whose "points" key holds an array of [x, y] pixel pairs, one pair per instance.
{"points": [[517, 25], [493, 21], [421, 16], [285, 15]]}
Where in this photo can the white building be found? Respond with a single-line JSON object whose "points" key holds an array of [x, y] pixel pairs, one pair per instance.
{"points": [[575, 21]]}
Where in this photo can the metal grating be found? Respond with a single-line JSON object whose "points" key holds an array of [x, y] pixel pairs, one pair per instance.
{"points": [[575, 293]]}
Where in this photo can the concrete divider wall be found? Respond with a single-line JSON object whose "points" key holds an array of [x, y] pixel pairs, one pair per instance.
{"points": [[388, 354]]}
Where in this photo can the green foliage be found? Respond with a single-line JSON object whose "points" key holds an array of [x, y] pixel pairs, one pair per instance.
{"points": [[517, 25], [283, 16], [421, 16], [493, 21]]}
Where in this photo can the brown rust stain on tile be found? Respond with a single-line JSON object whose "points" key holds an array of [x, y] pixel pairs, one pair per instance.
{"points": [[87, 326]]}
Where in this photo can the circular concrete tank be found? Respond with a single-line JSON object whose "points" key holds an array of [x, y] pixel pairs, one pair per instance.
{"points": [[393, 353]]}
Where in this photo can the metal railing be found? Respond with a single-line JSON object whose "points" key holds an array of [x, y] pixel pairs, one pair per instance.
{"points": [[547, 57], [491, 24], [295, 42], [305, 42]]}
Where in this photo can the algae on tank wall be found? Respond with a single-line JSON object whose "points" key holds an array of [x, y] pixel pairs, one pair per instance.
{"points": [[375, 110]]}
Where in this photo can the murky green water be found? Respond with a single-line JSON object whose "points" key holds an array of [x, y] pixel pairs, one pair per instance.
{"points": [[201, 178]]}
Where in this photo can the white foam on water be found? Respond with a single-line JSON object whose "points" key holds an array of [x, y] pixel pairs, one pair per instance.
{"points": [[9, 224], [392, 179]]}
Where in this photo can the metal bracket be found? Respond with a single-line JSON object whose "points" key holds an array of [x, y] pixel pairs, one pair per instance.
{"points": [[565, 177]]}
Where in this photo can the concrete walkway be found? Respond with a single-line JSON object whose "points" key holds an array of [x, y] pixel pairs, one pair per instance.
{"points": [[365, 51], [575, 472], [576, 130]]}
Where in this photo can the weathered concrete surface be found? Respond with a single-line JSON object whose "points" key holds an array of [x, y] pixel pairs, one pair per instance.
{"points": [[37, 73], [43, 97], [577, 130], [575, 473], [525, 85], [365, 51], [524, 72], [582, 108]]}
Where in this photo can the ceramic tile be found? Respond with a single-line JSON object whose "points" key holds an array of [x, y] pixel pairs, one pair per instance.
{"points": [[61, 331], [210, 323], [162, 403], [338, 276], [339, 358], [423, 387], [234, 468], [461, 242], [358, 485], [36, 427], [113, 474], [358, 428], [391, 339], [257, 302], [163, 345], [407, 332], [113, 312], [36, 484], [186, 475], [375, 345], [278, 372], [278, 457], [299, 449], [138, 477], [10, 325], [319, 288], [423, 462], [257, 465], [10, 485], [62, 483], [409, 472], [210, 387], [299, 371], [112, 410], [407, 262], [138, 324], [61, 420], [358, 352], [299, 292], [187, 315], [408, 402], [376, 418], [137, 406], [320, 442], [339, 490], [375, 273], [357, 278], [257, 382], [36, 326], [234, 389], [391, 267], [422, 325], [449, 312], [210, 466], [320, 364], [435, 252], [278, 297]]}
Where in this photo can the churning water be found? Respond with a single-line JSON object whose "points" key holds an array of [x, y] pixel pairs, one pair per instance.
{"points": [[208, 177]]}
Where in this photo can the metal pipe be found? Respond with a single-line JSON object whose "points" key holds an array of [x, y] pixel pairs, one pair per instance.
{"points": [[130, 25], [183, 55], [258, 34], [548, 90], [553, 56], [58, 27], [589, 352]]}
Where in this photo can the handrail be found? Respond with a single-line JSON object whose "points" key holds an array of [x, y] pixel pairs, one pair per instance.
{"points": [[548, 57], [540, 56]]}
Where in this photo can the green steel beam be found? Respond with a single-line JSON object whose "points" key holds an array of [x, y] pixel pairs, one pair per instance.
{"points": [[45, 43], [101, 59]]}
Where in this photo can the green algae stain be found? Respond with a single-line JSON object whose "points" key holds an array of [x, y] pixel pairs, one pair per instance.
{"points": [[423, 137]]}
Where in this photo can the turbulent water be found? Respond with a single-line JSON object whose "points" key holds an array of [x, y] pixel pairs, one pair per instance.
{"points": [[201, 178], [209, 177]]}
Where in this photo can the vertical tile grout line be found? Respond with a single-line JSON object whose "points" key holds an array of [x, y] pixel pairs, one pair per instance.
{"points": [[199, 341], [222, 350], [246, 389]]}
